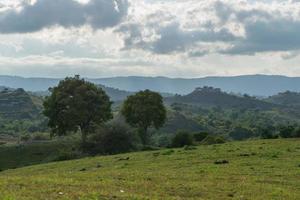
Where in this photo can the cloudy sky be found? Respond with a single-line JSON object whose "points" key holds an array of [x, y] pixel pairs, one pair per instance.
{"points": [[175, 38]]}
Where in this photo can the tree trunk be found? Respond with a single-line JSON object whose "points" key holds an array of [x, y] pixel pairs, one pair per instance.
{"points": [[83, 137], [143, 135], [83, 132]]}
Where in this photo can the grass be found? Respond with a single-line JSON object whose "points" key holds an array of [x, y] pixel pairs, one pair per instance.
{"points": [[262, 169], [14, 156]]}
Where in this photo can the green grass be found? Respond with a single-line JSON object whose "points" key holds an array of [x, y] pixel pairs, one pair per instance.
{"points": [[262, 169], [14, 156]]}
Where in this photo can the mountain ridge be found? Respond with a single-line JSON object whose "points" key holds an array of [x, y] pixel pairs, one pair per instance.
{"points": [[256, 85]]}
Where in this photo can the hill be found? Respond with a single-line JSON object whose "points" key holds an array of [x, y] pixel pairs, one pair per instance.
{"points": [[287, 98], [116, 95], [263, 169], [257, 85], [214, 97], [17, 104]]}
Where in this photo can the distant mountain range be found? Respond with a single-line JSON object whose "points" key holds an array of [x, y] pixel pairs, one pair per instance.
{"points": [[257, 85]]}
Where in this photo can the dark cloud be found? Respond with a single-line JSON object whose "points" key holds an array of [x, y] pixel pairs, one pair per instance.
{"points": [[67, 13], [172, 38], [266, 36], [264, 31]]}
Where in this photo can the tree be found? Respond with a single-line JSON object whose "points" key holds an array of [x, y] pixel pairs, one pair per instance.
{"points": [[76, 104], [143, 110]]}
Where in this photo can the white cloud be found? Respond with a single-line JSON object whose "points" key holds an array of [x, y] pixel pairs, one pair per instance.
{"points": [[189, 38]]}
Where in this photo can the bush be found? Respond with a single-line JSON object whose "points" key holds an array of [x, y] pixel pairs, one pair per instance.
{"points": [[240, 133], [162, 140], [297, 133], [25, 137], [286, 131], [67, 155], [182, 139], [200, 136], [213, 140], [268, 133], [113, 138]]}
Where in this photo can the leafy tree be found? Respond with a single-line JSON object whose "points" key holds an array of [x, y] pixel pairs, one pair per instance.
{"points": [[182, 138], [76, 104], [143, 110]]}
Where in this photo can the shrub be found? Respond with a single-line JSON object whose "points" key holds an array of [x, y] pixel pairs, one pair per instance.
{"points": [[286, 131], [182, 139], [200, 136], [213, 140], [240, 133], [67, 155], [25, 137], [162, 140], [297, 133], [268, 133], [113, 138]]}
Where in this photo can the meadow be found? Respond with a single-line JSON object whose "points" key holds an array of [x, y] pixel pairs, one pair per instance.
{"points": [[258, 169]]}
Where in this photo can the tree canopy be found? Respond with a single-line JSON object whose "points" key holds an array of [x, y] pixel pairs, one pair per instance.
{"points": [[76, 104], [143, 110]]}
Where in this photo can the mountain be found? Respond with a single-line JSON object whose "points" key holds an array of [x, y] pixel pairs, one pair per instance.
{"points": [[257, 85], [214, 97], [287, 98], [28, 84]]}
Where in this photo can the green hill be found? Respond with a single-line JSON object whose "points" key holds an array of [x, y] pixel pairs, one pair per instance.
{"points": [[17, 104], [214, 97], [262, 169], [20, 113], [287, 98]]}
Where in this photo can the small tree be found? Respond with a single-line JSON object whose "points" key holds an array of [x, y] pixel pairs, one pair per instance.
{"points": [[76, 104], [143, 110]]}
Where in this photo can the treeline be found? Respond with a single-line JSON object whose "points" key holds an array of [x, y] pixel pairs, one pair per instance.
{"points": [[78, 106]]}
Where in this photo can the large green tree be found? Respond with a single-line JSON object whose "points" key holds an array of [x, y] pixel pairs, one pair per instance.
{"points": [[76, 104], [143, 110]]}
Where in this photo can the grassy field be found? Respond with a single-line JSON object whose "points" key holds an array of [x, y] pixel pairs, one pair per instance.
{"points": [[14, 156], [263, 169]]}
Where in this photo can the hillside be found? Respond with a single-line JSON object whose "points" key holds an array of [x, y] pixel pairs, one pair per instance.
{"points": [[263, 169], [287, 98], [17, 104], [116, 95], [257, 85], [213, 97]]}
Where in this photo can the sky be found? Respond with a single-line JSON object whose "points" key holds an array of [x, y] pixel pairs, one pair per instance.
{"points": [[174, 38]]}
